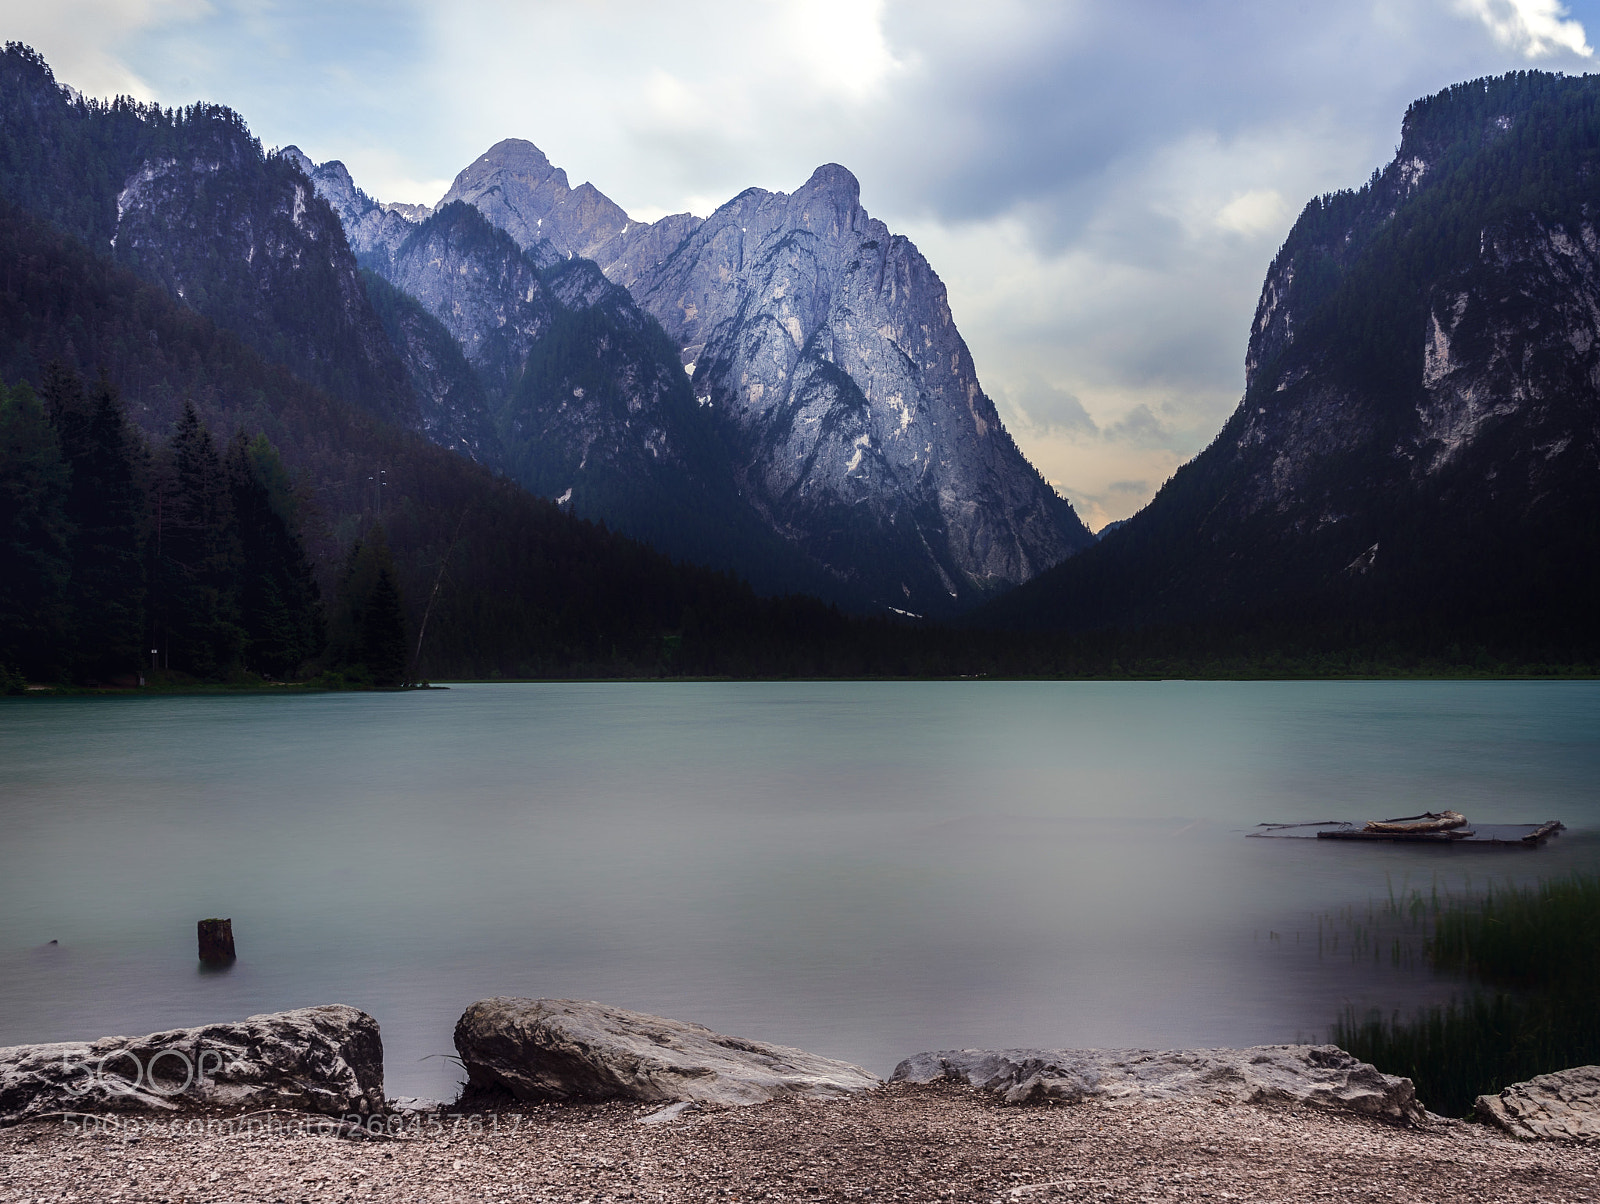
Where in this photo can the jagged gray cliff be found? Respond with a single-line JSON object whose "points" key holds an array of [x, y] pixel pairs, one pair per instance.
{"points": [[821, 348], [829, 345], [515, 186]]}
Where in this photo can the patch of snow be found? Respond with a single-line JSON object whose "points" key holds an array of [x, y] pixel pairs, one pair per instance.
{"points": [[1363, 562], [689, 367], [862, 443], [565, 497]]}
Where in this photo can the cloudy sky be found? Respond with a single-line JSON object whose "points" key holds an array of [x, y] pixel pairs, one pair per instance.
{"points": [[1101, 183]]}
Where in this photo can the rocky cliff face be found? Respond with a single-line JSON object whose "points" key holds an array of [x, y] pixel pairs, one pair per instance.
{"points": [[244, 240], [1492, 353], [1420, 439], [515, 186], [827, 344], [473, 278], [455, 408], [375, 231]]}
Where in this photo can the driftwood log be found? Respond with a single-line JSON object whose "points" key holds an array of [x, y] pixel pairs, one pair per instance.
{"points": [[1429, 821]]}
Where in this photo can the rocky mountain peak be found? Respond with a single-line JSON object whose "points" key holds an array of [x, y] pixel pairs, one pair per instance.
{"points": [[836, 182], [513, 156], [299, 158], [336, 185], [827, 345], [515, 186]]}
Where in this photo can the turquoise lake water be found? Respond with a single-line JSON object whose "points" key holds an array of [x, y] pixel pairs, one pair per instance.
{"points": [[865, 870]]}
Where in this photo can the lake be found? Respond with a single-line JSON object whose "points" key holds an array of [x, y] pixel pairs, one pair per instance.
{"points": [[863, 869]]}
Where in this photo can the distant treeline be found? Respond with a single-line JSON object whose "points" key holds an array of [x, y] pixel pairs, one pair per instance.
{"points": [[119, 558]]}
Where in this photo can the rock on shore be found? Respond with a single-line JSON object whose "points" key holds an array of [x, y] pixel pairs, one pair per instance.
{"points": [[323, 1059], [1564, 1106], [1324, 1076], [572, 1050]]}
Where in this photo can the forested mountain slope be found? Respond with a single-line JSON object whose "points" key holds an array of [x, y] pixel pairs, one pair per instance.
{"points": [[526, 588], [1418, 448], [187, 200]]}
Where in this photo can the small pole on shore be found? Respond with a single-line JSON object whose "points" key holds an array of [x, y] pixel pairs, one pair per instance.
{"points": [[216, 942]]}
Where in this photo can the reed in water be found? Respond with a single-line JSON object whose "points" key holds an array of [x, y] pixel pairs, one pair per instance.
{"points": [[1532, 957]]}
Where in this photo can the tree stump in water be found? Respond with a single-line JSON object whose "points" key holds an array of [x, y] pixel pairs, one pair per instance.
{"points": [[216, 942]]}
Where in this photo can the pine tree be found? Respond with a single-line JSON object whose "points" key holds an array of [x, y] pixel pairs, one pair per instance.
{"points": [[368, 636], [105, 505], [35, 553], [383, 631], [280, 606], [196, 556]]}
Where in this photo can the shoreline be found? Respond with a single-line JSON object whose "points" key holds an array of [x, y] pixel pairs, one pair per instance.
{"points": [[207, 689], [901, 1141]]}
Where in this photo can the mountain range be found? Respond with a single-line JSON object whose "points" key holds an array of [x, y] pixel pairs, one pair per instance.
{"points": [[812, 404]]}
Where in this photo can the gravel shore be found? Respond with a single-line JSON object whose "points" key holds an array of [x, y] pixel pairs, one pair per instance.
{"points": [[901, 1142]]}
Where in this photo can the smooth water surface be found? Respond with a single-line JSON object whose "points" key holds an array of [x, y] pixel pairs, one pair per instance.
{"points": [[865, 870]]}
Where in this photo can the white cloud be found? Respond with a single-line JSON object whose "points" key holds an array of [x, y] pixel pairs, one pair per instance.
{"points": [[1257, 211], [1532, 28], [83, 40]]}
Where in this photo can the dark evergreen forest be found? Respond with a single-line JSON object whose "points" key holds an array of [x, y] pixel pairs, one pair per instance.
{"points": [[124, 560]]}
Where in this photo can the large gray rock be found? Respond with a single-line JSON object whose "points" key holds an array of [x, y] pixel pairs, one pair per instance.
{"points": [[1322, 1076], [1564, 1106], [322, 1059], [573, 1050]]}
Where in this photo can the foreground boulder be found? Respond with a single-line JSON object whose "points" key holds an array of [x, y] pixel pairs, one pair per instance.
{"points": [[1322, 1076], [1564, 1106], [322, 1059], [571, 1050]]}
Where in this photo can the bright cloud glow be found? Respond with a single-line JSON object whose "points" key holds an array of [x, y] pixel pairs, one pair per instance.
{"points": [[1533, 28], [83, 38]]}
